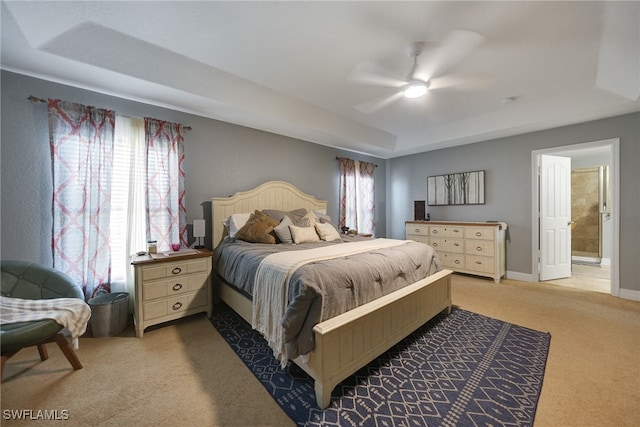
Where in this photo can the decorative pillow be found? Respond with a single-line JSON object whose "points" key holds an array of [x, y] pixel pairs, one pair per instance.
{"points": [[303, 234], [325, 221], [258, 229], [322, 215], [275, 214], [235, 222], [312, 217], [327, 232], [282, 230], [296, 216]]}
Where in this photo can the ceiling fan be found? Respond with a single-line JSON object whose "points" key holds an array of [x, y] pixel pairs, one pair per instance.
{"points": [[422, 77]]}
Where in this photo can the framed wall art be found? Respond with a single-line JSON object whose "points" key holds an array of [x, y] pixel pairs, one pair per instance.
{"points": [[463, 188]]}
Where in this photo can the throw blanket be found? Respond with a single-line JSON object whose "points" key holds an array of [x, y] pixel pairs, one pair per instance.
{"points": [[272, 285], [71, 313]]}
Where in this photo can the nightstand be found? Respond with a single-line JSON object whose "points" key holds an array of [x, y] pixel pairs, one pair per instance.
{"points": [[169, 287]]}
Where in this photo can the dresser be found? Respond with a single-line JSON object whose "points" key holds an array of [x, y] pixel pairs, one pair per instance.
{"points": [[466, 247], [170, 287]]}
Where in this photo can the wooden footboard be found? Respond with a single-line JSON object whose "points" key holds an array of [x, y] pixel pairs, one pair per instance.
{"points": [[348, 342]]}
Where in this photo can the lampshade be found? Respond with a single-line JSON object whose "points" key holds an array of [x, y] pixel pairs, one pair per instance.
{"points": [[415, 89], [198, 228]]}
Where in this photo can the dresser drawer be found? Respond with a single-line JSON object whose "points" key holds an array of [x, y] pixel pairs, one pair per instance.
{"points": [[175, 305], [447, 244], [485, 233], [479, 247], [452, 260], [173, 269], [446, 231], [417, 229], [481, 264], [173, 286]]}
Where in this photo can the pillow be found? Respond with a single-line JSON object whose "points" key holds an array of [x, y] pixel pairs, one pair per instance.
{"points": [[328, 221], [322, 215], [235, 222], [258, 229], [303, 234], [297, 215], [312, 217], [327, 232], [275, 214], [282, 230]]}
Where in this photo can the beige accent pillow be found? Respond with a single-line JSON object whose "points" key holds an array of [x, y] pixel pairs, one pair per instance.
{"points": [[303, 234], [258, 229], [327, 232], [312, 217]]}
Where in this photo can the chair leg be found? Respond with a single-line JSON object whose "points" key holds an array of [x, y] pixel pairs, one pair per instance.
{"points": [[42, 349], [68, 351]]}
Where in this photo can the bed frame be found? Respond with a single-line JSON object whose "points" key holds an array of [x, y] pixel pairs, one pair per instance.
{"points": [[347, 342]]}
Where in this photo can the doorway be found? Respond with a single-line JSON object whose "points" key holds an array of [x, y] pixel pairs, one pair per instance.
{"points": [[603, 275]]}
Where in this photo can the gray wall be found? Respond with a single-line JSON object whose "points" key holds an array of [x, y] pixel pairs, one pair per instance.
{"points": [[223, 158], [507, 162], [220, 159]]}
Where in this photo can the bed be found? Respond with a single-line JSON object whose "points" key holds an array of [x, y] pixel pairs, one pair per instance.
{"points": [[348, 341]]}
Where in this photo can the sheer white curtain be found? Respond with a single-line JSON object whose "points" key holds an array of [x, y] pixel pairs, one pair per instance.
{"points": [[81, 139], [128, 219], [356, 194]]}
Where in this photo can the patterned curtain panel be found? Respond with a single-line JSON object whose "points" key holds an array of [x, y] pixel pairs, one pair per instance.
{"points": [[166, 208], [366, 192], [81, 141], [347, 214]]}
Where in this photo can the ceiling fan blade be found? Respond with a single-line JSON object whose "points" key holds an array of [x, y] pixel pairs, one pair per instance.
{"points": [[370, 73], [378, 103], [460, 82], [455, 46]]}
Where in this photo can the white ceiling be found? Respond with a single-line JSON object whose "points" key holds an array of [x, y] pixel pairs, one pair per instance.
{"points": [[285, 67]]}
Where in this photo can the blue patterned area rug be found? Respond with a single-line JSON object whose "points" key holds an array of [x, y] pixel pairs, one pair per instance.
{"points": [[462, 369]]}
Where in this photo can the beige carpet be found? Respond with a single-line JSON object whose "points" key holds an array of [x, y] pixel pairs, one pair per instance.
{"points": [[185, 374]]}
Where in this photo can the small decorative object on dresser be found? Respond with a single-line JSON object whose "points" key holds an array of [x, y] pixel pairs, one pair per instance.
{"points": [[170, 287], [467, 247]]}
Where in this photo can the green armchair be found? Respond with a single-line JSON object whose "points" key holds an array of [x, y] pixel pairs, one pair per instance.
{"points": [[26, 280]]}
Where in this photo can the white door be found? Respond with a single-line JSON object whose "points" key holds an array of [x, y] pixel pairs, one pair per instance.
{"points": [[555, 217]]}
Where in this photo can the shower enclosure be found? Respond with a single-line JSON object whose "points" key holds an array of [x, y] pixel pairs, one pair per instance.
{"points": [[590, 212]]}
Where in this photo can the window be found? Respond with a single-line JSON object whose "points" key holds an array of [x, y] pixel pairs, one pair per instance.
{"points": [[118, 182], [357, 190]]}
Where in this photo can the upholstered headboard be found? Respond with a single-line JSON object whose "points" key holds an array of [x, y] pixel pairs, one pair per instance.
{"points": [[270, 195]]}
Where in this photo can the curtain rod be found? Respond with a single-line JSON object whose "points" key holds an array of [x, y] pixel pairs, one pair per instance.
{"points": [[44, 101], [338, 158]]}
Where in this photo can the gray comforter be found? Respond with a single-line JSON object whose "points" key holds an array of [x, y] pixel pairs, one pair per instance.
{"points": [[324, 289]]}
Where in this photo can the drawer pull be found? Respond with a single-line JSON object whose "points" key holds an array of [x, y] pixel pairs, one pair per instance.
{"points": [[457, 261], [177, 286], [434, 231], [176, 270], [479, 248], [177, 306], [456, 244], [455, 230], [434, 244], [478, 233], [417, 230], [479, 262]]}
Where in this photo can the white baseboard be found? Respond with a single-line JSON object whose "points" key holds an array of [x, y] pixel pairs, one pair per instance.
{"points": [[630, 294], [515, 275]]}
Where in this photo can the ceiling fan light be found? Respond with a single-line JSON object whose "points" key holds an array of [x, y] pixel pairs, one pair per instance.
{"points": [[415, 89]]}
